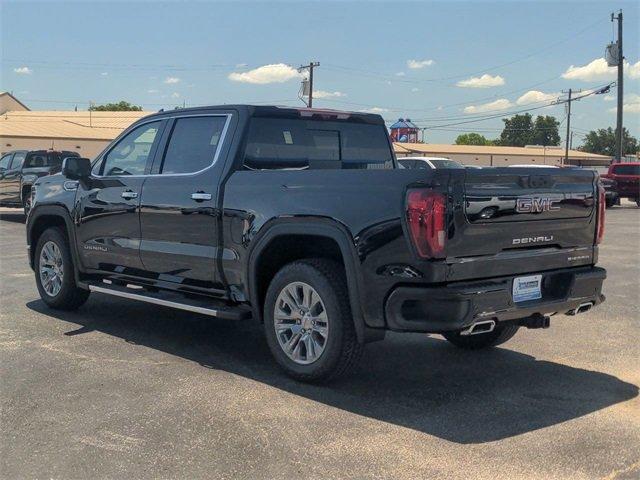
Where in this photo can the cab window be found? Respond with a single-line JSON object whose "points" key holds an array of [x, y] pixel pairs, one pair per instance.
{"points": [[193, 144], [129, 156], [18, 158]]}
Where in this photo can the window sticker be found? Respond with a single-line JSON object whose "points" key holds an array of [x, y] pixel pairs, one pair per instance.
{"points": [[288, 139]]}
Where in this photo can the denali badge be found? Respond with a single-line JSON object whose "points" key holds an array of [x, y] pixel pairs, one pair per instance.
{"points": [[95, 247], [535, 204], [524, 241]]}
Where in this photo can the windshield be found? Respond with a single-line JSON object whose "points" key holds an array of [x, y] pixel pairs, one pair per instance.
{"points": [[301, 144], [445, 164]]}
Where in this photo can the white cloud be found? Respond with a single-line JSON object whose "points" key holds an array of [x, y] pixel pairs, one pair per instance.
{"points": [[599, 70], [324, 94], [171, 80], [375, 110], [104, 74], [631, 104], [175, 95], [609, 98], [485, 81], [415, 89], [241, 65], [418, 64], [595, 70], [500, 104], [153, 90], [535, 96], [274, 73], [633, 70], [400, 74], [23, 71]]}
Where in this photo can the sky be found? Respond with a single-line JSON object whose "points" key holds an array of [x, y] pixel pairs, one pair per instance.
{"points": [[445, 65]]}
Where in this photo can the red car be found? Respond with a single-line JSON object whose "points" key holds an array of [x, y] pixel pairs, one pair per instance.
{"points": [[627, 178]]}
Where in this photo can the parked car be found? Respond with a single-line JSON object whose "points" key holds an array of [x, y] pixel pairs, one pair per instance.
{"points": [[611, 191], [428, 162], [627, 178], [301, 220], [20, 169]]}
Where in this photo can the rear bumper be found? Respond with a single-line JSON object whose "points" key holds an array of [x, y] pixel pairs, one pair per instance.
{"points": [[459, 305]]}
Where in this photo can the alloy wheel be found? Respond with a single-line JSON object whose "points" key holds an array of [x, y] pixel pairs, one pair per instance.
{"points": [[51, 269], [301, 323]]}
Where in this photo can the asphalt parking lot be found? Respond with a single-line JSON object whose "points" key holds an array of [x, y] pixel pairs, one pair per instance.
{"points": [[129, 390]]}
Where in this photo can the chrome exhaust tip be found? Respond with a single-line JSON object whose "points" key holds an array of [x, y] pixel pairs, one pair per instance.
{"points": [[478, 328], [582, 308]]}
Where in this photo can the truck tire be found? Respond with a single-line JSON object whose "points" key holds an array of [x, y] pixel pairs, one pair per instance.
{"points": [[54, 271], [308, 323], [610, 202], [498, 336]]}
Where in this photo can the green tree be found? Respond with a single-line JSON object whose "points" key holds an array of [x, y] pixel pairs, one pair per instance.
{"points": [[545, 131], [121, 106], [603, 142], [517, 132], [521, 130], [472, 139]]}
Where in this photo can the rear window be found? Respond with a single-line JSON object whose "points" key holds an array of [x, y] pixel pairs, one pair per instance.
{"points": [[46, 159], [626, 169], [300, 144]]}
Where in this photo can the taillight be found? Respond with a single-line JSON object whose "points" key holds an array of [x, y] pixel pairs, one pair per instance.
{"points": [[426, 220], [600, 218]]}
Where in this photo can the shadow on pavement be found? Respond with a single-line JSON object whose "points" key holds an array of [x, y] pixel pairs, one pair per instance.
{"points": [[14, 217], [408, 380]]}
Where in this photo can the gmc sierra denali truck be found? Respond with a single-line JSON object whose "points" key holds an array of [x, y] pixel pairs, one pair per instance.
{"points": [[301, 220]]}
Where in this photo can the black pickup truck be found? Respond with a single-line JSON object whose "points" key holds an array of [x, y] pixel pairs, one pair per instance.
{"points": [[20, 169], [301, 220]]}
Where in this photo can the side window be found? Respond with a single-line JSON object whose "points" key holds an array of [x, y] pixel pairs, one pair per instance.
{"points": [[18, 159], [129, 156], [4, 161], [193, 144]]}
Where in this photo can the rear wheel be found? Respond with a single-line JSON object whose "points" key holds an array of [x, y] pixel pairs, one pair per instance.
{"points": [[499, 335], [638, 202], [610, 202], [308, 323], [54, 272]]}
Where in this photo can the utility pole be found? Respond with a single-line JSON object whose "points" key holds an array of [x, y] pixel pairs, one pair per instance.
{"points": [[619, 127], [566, 146], [310, 67], [571, 141]]}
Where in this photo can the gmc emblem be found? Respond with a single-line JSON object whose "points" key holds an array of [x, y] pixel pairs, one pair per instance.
{"points": [[535, 204]]}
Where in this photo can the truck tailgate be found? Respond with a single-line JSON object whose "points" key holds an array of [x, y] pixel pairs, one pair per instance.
{"points": [[506, 210]]}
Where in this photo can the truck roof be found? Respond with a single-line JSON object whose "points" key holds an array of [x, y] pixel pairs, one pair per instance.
{"points": [[282, 111]]}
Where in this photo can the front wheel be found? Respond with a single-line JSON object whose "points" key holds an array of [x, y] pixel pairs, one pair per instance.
{"points": [[499, 335], [54, 272], [308, 323]]}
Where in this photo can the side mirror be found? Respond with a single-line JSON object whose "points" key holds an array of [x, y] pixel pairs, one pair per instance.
{"points": [[76, 168]]}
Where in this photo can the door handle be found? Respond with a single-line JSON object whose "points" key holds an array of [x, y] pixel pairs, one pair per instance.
{"points": [[128, 194], [200, 196]]}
